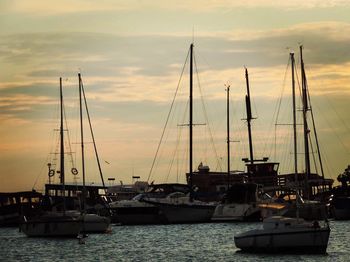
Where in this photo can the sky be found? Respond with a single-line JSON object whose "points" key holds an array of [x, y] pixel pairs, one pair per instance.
{"points": [[131, 55]]}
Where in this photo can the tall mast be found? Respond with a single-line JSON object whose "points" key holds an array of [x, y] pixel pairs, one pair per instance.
{"points": [[249, 117], [62, 178], [228, 136], [305, 109], [92, 136], [294, 119], [191, 117], [82, 140]]}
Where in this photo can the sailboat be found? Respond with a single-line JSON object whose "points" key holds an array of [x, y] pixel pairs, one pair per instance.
{"points": [[306, 183], [92, 223], [282, 234], [184, 208], [54, 223]]}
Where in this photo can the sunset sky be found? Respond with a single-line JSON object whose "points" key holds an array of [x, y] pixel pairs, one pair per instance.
{"points": [[131, 54]]}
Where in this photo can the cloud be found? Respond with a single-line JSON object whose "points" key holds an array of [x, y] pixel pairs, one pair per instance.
{"points": [[51, 7]]}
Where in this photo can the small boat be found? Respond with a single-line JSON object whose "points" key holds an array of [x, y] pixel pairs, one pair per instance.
{"points": [[285, 235]]}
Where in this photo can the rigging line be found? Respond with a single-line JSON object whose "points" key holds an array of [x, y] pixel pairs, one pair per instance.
{"points": [[177, 142], [314, 127], [40, 172], [68, 136], [168, 132], [337, 114], [172, 160], [279, 103], [313, 155], [334, 131], [315, 134], [168, 116], [93, 137], [206, 115]]}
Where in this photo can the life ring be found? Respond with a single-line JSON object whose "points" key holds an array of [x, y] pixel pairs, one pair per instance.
{"points": [[74, 171], [51, 173]]}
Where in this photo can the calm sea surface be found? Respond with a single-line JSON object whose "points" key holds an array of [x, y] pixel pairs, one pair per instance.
{"points": [[198, 242]]}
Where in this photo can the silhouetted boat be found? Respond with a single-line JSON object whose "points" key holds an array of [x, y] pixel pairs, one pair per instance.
{"points": [[137, 212], [54, 223], [340, 197], [180, 208], [285, 235]]}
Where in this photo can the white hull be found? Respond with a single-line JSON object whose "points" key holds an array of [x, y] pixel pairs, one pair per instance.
{"points": [[91, 223], [286, 238], [236, 212]]}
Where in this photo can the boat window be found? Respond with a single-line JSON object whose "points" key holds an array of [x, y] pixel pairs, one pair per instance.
{"points": [[24, 200]]}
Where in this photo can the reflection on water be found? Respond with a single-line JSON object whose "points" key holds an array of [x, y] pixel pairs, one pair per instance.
{"points": [[198, 242]]}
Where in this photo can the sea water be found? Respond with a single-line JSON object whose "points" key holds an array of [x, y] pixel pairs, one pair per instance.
{"points": [[187, 242]]}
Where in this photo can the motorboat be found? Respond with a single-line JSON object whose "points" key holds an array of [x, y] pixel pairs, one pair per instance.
{"points": [[138, 212], [135, 212], [178, 207]]}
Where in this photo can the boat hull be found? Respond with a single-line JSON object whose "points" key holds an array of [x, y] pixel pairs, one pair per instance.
{"points": [[93, 223], [184, 213], [313, 240], [55, 228], [138, 215], [236, 212]]}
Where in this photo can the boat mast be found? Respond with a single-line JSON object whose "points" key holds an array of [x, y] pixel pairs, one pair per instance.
{"points": [[62, 178], [93, 137], [82, 140], [249, 117], [228, 136], [61, 137], [294, 120], [191, 121], [306, 129]]}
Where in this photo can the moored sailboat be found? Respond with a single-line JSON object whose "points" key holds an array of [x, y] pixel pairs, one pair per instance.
{"points": [[92, 223], [54, 223], [180, 208]]}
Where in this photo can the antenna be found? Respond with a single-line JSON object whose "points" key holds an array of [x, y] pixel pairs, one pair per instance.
{"points": [[193, 34]]}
